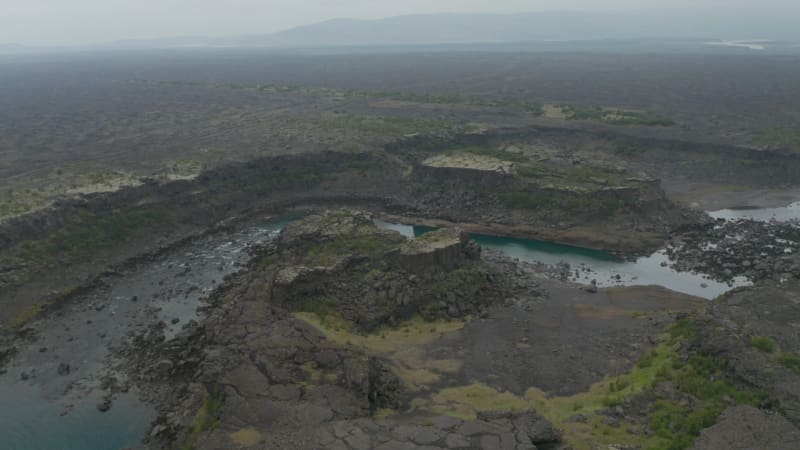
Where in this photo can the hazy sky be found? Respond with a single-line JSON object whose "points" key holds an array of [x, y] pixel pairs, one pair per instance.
{"points": [[97, 21]]}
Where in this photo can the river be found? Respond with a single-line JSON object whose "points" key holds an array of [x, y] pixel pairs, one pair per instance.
{"points": [[44, 409]]}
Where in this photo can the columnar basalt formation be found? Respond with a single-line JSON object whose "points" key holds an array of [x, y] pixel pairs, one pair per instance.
{"points": [[340, 262]]}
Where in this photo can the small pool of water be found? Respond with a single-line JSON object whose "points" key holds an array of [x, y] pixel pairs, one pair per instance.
{"points": [[784, 213], [587, 265]]}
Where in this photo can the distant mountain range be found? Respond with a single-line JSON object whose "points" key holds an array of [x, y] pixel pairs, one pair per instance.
{"points": [[506, 28], [542, 26]]}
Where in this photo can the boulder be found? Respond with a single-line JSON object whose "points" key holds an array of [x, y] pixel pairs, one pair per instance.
{"points": [[164, 367], [63, 369]]}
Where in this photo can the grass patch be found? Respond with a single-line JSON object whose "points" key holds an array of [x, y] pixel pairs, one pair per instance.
{"points": [[88, 234], [763, 343], [467, 280], [492, 153], [617, 116], [325, 310], [206, 418], [780, 137], [18, 205], [530, 171], [680, 425], [628, 150], [466, 401], [790, 361], [266, 261], [526, 200], [26, 316], [674, 427], [329, 252], [410, 97], [384, 413], [384, 125], [246, 437], [400, 346], [577, 204], [682, 329], [386, 340]]}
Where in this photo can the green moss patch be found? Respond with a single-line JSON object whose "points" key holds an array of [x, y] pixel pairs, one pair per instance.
{"points": [[364, 244], [206, 418], [89, 233], [790, 361], [492, 153], [617, 116], [674, 426], [763, 343]]}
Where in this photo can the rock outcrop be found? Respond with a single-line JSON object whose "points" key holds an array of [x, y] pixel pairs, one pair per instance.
{"points": [[444, 249], [747, 428], [341, 263], [755, 330], [741, 248]]}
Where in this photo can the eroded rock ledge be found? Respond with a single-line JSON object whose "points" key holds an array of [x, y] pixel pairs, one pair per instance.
{"points": [[341, 263]]}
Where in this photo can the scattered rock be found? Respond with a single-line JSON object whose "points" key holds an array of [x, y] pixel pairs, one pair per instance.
{"points": [[63, 369]]}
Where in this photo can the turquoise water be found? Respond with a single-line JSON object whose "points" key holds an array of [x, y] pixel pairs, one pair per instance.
{"points": [[587, 265]]}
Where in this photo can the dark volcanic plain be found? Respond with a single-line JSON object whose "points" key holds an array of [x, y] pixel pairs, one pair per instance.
{"points": [[339, 335]]}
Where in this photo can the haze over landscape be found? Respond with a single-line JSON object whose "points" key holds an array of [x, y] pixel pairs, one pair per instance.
{"points": [[399, 225], [355, 22]]}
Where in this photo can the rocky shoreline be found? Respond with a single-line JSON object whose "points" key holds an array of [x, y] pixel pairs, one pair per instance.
{"points": [[266, 368], [740, 248]]}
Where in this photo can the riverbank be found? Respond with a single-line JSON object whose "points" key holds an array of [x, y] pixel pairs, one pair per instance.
{"points": [[61, 363], [623, 243]]}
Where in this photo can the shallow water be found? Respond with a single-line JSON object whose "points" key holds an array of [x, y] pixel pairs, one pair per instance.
{"points": [[591, 264], [784, 213], [33, 421], [51, 411]]}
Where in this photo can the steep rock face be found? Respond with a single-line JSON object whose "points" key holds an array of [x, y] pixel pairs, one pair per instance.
{"points": [[340, 264], [445, 249]]}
